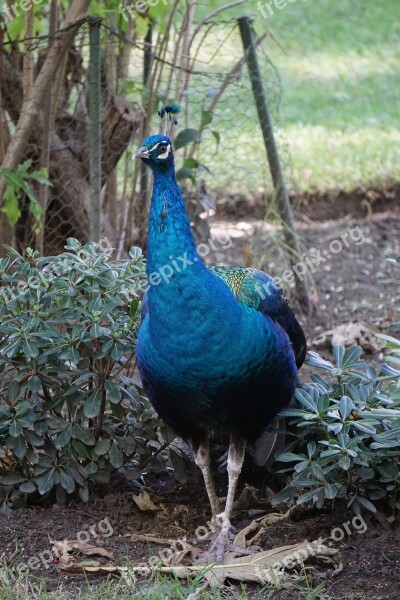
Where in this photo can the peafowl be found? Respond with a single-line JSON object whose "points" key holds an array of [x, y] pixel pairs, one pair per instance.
{"points": [[218, 348]]}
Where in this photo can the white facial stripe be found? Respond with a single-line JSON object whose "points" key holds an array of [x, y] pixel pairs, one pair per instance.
{"points": [[166, 153], [156, 145]]}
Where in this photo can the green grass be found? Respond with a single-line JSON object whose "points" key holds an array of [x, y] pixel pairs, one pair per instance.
{"points": [[340, 109], [341, 87], [162, 587]]}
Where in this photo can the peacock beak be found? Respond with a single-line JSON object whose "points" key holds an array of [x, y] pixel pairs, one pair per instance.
{"points": [[143, 152]]}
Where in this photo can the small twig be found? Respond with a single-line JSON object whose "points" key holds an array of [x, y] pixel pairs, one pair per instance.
{"points": [[156, 453], [99, 425], [213, 14]]}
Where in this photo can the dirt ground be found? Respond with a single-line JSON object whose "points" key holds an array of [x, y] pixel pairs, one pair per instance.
{"points": [[355, 284], [370, 558]]}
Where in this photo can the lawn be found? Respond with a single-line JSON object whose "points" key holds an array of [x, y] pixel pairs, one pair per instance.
{"points": [[339, 64]]}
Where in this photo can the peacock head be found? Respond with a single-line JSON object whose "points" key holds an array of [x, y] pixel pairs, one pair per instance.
{"points": [[156, 152]]}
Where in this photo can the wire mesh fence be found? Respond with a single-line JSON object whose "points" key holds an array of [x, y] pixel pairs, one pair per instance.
{"points": [[202, 68]]}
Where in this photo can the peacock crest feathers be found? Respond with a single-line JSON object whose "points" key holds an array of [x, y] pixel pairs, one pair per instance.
{"points": [[167, 118]]}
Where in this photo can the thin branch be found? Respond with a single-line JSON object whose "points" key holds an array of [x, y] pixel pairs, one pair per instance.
{"points": [[185, 52], [213, 14], [27, 72], [232, 73], [175, 57]]}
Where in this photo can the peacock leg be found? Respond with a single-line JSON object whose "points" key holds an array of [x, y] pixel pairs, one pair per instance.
{"points": [[237, 447], [201, 453], [222, 541]]}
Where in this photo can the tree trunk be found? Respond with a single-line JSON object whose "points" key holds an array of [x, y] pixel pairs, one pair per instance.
{"points": [[31, 104], [6, 231], [66, 132]]}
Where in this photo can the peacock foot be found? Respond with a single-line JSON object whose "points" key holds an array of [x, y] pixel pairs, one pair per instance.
{"points": [[221, 543]]}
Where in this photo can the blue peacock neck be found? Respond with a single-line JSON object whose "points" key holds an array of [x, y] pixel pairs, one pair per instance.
{"points": [[169, 233], [181, 288], [171, 250]]}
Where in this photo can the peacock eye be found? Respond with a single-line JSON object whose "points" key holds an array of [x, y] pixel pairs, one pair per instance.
{"points": [[162, 148]]}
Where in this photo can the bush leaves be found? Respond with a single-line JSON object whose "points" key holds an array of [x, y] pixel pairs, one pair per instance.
{"points": [[68, 326]]}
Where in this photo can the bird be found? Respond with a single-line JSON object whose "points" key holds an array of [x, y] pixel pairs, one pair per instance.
{"points": [[218, 348]]}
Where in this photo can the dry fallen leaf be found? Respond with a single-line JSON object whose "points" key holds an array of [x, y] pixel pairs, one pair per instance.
{"points": [[264, 567], [268, 566], [146, 501], [66, 547], [188, 554], [244, 539], [248, 500], [258, 527], [63, 553], [351, 334]]}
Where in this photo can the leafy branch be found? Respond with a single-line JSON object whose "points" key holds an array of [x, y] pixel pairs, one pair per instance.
{"points": [[19, 181]]}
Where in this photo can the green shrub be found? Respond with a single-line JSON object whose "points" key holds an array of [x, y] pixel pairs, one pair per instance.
{"points": [[70, 412], [347, 436]]}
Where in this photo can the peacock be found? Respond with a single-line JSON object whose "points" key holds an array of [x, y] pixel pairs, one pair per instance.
{"points": [[218, 348]]}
